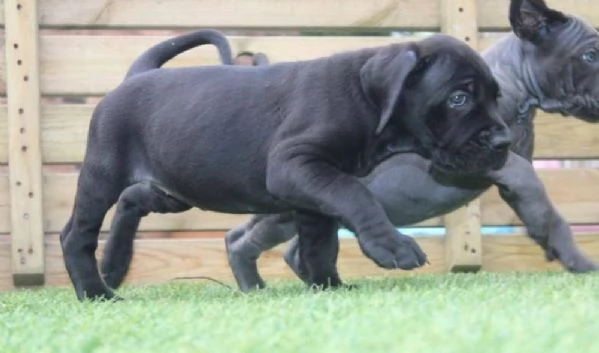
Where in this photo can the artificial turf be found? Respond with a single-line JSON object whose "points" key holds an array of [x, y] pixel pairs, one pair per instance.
{"points": [[484, 312]]}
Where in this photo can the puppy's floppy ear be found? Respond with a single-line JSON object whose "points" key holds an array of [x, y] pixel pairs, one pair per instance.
{"points": [[383, 77], [532, 20]]}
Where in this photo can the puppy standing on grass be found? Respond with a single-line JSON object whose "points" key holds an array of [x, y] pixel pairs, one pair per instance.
{"points": [[166, 140]]}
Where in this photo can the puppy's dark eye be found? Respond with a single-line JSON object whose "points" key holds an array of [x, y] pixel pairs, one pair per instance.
{"points": [[457, 99], [590, 56]]}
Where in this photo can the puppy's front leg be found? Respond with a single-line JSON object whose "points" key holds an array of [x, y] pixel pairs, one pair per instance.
{"points": [[520, 186], [312, 184]]}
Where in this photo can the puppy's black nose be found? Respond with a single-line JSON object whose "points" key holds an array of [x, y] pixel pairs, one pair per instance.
{"points": [[501, 138]]}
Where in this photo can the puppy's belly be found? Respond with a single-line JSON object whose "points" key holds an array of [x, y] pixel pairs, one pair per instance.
{"points": [[226, 195], [238, 206], [216, 175]]}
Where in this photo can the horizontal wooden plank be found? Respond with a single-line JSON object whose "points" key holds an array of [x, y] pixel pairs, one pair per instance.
{"points": [[558, 137], [573, 191], [64, 134], [158, 260], [412, 14], [238, 14], [59, 193], [94, 65], [570, 190]]}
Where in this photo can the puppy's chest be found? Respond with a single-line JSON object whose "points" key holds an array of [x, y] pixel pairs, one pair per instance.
{"points": [[522, 130]]}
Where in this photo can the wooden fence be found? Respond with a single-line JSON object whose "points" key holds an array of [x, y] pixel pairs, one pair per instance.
{"points": [[57, 48]]}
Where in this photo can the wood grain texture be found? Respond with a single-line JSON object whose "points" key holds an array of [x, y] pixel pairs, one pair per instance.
{"points": [[5, 224], [519, 253], [24, 143], [570, 190], [158, 260], [94, 65], [463, 237], [60, 193], [83, 64], [239, 14], [491, 14]]}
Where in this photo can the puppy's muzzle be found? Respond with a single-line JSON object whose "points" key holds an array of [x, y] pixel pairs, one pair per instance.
{"points": [[501, 138], [498, 140]]}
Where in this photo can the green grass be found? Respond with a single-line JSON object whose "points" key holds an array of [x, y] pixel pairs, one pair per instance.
{"points": [[526, 313]]}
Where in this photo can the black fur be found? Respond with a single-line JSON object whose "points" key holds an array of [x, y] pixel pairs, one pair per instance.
{"points": [[550, 63], [169, 139], [156, 56]]}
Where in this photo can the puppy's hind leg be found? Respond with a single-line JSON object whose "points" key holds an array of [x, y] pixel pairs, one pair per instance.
{"points": [[246, 243], [318, 249], [293, 260], [136, 202], [97, 190]]}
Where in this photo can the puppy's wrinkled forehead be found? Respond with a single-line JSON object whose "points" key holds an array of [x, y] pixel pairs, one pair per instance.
{"points": [[574, 34], [454, 62]]}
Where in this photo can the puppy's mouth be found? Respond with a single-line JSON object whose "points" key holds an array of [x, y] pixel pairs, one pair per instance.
{"points": [[475, 158], [583, 107]]}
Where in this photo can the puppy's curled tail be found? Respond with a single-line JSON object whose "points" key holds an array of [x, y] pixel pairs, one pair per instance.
{"points": [[157, 55]]}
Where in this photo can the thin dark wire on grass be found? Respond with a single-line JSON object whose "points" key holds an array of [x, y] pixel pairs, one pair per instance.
{"points": [[206, 278]]}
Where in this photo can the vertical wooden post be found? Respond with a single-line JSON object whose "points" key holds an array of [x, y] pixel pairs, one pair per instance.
{"points": [[24, 158], [463, 243]]}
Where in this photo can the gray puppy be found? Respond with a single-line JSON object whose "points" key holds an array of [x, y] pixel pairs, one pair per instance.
{"points": [[551, 62], [166, 140]]}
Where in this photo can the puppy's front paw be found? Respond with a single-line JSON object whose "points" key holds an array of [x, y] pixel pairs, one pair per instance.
{"points": [[394, 251], [584, 265], [569, 255], [577, 263]]}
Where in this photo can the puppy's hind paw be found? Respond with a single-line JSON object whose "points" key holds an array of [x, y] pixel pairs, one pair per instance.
{"points": [[243, 264], [97, 292], [115, 278]]}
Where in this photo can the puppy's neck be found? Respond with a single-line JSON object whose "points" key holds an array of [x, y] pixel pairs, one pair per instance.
{"points": [[519, 96], [519, 89]]}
